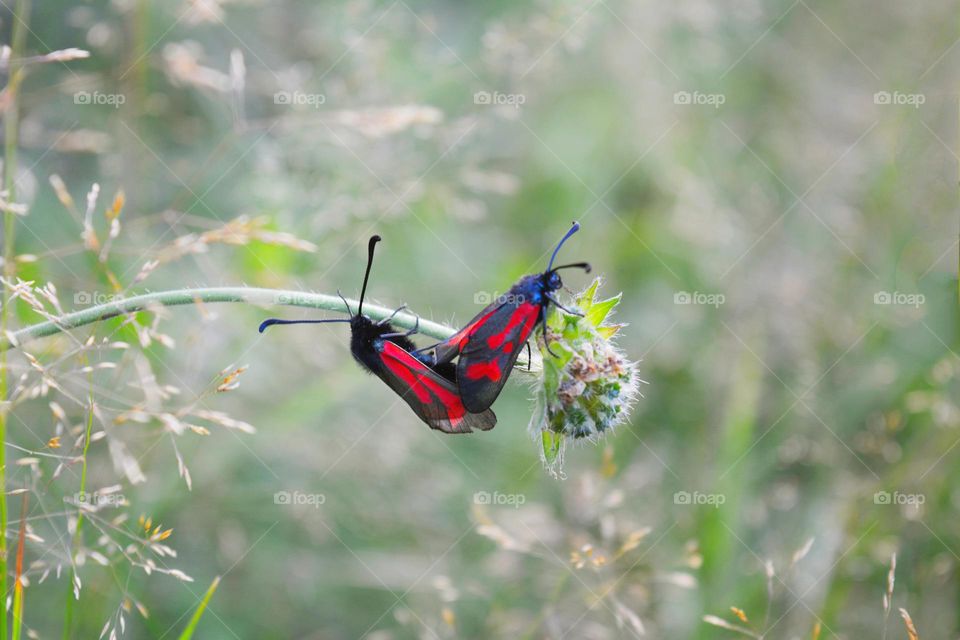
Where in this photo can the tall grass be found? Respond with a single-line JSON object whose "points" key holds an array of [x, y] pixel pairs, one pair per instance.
{"points": [[21, 18], [75, 544]]}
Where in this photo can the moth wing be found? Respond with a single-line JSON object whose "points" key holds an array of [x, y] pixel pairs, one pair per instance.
{"points": [[450, 348], [490, 351], [432, 397]]}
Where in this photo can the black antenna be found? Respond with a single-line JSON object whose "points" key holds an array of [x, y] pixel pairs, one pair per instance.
{"points": [[273, 321], [579, 265], [373, 243]]}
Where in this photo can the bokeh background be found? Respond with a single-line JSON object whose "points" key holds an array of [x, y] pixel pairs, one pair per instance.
{"points": [[772, 186]]}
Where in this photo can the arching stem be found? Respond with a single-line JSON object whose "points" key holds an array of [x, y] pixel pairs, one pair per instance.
{"points": [[247, 295]]}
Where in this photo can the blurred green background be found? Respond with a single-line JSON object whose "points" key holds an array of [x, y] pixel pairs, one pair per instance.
{"points": [[772, 186]]}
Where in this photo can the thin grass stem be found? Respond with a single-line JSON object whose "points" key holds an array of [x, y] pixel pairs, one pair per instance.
{"points": [[248, 295]]}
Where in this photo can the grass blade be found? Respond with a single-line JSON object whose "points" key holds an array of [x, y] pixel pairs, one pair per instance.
{"points": [[11, 122], [18, 585], [195, 620]]}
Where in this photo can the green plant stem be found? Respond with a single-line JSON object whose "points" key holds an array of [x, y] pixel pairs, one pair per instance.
{"points": [[248, 295], [11, 129], [68, 609], [18, 575]]}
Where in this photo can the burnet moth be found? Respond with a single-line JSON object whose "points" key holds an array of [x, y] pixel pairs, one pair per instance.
{"points": [[488, 346], [388, 354]]}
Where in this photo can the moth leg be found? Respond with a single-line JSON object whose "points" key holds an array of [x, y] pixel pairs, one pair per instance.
{"points": [[427, 348], [404, 334], [345, 304], [426, 355], [546, 340], [529, 357], [554, 301], [391, 316], [422, 355]]}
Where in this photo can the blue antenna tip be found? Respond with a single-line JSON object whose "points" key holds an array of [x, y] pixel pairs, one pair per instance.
{"points": [[573, 229]]}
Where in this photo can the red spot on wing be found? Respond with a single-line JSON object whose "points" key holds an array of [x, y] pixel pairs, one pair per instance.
{"points": [[508, 346], [478, 370], [525, 315], [420, 381], [463, 336], [472, 328], [409, 377]]}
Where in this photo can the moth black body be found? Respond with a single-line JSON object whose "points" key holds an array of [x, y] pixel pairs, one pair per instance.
{"points": [[388, 353], [367, 336]]}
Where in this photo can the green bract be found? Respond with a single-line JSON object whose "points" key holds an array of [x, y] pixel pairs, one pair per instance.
{"points": [[587, 388]]}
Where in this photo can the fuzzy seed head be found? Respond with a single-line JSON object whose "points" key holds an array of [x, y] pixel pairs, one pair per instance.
{"points": [[588, 386]]}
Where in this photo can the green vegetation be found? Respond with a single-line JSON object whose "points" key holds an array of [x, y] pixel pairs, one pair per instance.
{"points": [[771, 186]]}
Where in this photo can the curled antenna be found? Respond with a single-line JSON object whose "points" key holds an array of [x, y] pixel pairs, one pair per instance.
{"points": [[573, 229], [370, 246], [579, 265], [272, 321]]}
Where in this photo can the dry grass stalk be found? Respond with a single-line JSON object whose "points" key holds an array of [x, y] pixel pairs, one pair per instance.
{"points": [[729, 626], [240, 231], [908, 622]]}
